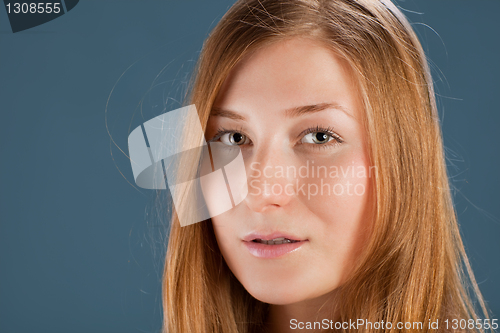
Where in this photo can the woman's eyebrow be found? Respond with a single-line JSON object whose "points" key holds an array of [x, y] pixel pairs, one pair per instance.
{"points": [[292, 112], [305, 109], [226, 113]]}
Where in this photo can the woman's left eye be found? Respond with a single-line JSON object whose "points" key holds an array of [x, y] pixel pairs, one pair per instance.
{"points": [[317, 138]]}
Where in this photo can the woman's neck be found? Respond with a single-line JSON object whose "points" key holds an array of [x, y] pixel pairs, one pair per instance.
{"points": [[295, 317]]}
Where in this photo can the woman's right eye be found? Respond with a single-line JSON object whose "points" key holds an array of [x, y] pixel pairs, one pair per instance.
{"points": [[234, 139]]}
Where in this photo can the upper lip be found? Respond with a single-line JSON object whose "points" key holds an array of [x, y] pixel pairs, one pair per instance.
{"points": [[269, 236]]}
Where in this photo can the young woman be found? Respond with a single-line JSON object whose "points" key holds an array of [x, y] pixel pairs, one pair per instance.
{"points": [[366, 240]]}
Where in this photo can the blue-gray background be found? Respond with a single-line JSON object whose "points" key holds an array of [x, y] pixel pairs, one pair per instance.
{"points": [[80, 250]]}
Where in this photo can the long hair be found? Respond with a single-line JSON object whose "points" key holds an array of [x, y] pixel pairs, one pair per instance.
{"points": [[414, 267]]}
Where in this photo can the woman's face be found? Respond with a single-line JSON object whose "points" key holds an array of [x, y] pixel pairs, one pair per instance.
{"points": [[295, 111]]}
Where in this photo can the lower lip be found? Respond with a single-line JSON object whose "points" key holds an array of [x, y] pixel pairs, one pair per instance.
{"points": [[260, 250]]}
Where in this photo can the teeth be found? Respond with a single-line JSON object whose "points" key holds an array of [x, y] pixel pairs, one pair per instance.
{"points": [[275, 241]]}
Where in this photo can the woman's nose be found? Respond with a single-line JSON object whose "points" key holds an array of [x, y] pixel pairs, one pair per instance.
{"points": [[270, 184]]}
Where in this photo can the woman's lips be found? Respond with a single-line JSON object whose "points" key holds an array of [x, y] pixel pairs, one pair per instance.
{"points": [[282, 244], [269, 236]]}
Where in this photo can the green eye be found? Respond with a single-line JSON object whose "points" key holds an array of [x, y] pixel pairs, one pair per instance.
{"points": [[317, 138]]}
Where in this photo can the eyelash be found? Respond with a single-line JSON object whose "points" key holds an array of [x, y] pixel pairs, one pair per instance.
{"points": [[221, 131], [328, 130]]}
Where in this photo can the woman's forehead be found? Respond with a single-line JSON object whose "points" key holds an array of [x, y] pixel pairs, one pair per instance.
{"points": [[290, 75]]}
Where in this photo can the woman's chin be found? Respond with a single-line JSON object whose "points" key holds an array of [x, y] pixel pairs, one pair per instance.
{"points": [[283, 293], [277, 297]]}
